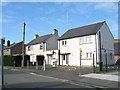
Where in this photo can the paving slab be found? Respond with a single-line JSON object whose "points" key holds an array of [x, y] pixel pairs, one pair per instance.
{"points": [[102, 76]]}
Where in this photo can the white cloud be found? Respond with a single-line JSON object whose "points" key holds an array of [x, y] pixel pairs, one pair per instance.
{"points": [[40, 9], [6, 18], [107, 6], [50, 10], [43, 18]]}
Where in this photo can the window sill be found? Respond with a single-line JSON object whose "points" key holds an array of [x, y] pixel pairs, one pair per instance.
{"points": [[87, 59], [64, 46], [85, 43]]}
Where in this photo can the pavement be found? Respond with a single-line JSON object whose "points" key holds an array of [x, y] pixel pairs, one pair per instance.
{"points": [[84, 76], [102, 76]]}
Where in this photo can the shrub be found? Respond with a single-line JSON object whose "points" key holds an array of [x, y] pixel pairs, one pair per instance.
{"points": [[8, 60]]}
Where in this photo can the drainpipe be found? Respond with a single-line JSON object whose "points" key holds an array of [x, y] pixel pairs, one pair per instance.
{"points": [[100, 52], [59, 52], [96, 47], [100, 46]]}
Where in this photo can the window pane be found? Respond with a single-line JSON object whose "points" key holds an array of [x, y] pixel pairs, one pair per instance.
{"points": [[87, 55], [41, 46], [65, 42], [81, 40], [62, 42], [90, 54], [63, 56]]}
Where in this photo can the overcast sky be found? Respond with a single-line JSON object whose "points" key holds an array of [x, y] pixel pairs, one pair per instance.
{"points": [[42, 17]]}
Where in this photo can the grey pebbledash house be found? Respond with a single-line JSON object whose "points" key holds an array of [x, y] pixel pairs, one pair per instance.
{"points": [[43, 45], [13, 49], [92, 39]]}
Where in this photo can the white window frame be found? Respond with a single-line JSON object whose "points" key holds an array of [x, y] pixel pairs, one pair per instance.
{"points": [[40, 47], [85, 39], [64, 43], [87, 55]]}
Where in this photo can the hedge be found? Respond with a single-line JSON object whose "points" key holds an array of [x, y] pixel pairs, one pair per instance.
{"points": [[8, 60]]}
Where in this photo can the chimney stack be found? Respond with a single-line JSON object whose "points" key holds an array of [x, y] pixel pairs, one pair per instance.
{"points": [[8, 43], [55, 31], [36, 36]]}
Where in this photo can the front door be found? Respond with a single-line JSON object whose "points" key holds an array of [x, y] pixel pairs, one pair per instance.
{"points": [[49, 59], [65, 59]]}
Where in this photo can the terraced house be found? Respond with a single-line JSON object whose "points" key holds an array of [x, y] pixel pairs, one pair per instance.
{"points": [[13, 49], [46, 45], [94, 39]]}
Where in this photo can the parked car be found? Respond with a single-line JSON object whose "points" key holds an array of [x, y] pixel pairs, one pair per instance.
{"points": [[117, 62]]}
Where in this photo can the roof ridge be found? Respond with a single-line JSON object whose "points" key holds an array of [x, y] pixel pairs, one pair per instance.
{"points": [[43, 36], [82, 31], [88, 25]]}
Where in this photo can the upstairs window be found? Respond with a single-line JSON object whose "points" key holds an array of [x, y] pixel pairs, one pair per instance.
{"points": [[64, 43], [82, 40], [41, 47], [29, 48], [86, 39]]}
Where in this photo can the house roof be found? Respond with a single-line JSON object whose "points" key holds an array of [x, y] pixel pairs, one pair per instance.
{"points": [[12, 45], [82, 31], [40, 39]]}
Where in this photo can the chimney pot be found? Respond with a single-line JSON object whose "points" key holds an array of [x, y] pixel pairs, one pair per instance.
{"points": [[8, 43], [55, 31], [36, 36]]}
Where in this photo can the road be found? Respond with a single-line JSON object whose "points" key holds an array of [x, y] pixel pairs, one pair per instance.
{"points": [[18, 79]]}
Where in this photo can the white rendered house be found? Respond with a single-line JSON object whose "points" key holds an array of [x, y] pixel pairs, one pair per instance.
{"points": [[92, 39], [46, 45]]}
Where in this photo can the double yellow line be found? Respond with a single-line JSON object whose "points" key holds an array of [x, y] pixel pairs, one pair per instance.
{"points": [[65, 81], [62, 80]]}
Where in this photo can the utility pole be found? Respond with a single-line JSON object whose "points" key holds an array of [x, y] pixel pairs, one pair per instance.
{"points": [[2, 41], [23, 45]]}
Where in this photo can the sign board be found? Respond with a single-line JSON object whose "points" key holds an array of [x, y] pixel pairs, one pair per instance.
{"points": [[80, 49], [32, 58], [57, 59]]}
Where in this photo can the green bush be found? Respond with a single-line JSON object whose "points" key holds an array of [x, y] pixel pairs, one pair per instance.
{"points": [[8, 60]]}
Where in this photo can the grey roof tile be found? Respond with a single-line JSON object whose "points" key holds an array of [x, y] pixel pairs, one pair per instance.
{"points": [[12, 45], [40, 39], [82, 31]]}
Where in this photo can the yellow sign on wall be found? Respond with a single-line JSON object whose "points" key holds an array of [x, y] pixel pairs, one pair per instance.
{"points": [[80, 49], [57, 59]]}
